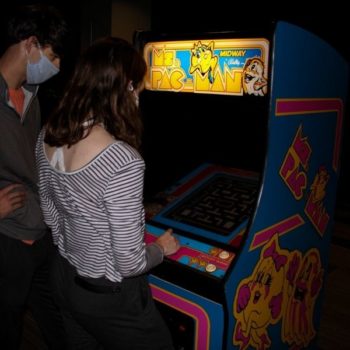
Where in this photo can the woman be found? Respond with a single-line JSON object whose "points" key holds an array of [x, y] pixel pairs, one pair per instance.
{"points": [[91, 190]]}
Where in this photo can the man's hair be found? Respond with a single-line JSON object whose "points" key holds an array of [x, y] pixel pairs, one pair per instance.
{"points": [[40, 20]]}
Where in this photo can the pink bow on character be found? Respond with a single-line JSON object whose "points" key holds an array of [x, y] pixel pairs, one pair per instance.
{"points": [[278, 259]]}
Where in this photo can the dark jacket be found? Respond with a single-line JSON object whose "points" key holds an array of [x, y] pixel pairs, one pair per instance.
{"points": [[17, 163]]}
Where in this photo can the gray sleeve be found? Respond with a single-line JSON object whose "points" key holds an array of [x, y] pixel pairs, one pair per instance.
{"points": [[30, 215], [26, 222], [154, 256]]}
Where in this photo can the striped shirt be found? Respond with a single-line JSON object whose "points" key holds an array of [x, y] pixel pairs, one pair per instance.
{"points": [[96, 213]]}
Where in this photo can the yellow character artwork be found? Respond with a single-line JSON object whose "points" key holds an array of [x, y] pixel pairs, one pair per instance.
{"points": [[259, 298], [204, 60], [315, 208], [254, 82], [318, 187], [305, 278]]}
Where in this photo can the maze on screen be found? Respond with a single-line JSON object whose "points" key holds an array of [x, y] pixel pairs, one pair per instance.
{"points": [[219, 205]]}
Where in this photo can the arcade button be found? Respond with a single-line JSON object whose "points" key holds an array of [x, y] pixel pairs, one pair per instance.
{"points": [[224, 255], [210, 268]]}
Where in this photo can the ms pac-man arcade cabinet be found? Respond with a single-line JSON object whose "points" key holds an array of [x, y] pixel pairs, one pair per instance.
{"points": [[242, 145]]}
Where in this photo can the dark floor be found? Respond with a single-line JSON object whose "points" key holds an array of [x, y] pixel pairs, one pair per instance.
{"points": [[334, 331], [335, 322], [31, 337]]}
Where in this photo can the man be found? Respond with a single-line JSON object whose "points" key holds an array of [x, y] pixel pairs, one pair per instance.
{"points": [[34, 43]]}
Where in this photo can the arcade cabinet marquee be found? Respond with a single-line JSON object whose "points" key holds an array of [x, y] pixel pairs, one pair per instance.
{"points": [[250, 139], [232, 67]]}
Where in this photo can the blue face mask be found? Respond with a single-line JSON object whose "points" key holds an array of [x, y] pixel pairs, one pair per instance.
{"points": [[40, 71]]}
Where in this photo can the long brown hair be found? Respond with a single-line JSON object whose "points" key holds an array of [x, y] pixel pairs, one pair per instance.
{"points": [[101, 91]]}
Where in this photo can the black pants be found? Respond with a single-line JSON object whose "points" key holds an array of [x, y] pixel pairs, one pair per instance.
{"points": [[24, 276], [124, 318]]}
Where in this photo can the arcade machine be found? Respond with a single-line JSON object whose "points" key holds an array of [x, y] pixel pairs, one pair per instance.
{"points": [[242, 144]]}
